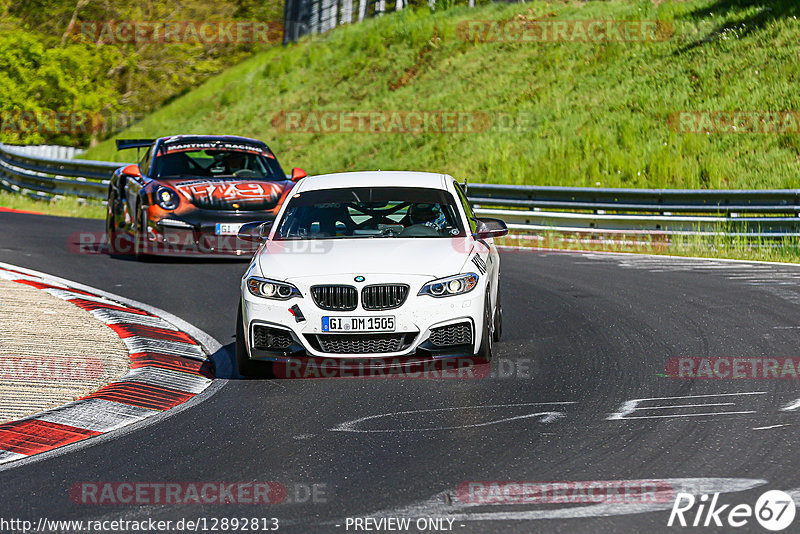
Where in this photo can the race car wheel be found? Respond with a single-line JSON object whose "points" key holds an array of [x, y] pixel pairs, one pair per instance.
{"points": [[112, 233], [243, 362], [498, 318], [485, 350], [140, 234]]}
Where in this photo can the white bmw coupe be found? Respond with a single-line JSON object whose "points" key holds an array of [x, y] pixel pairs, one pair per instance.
{"points": [[371, 265]]}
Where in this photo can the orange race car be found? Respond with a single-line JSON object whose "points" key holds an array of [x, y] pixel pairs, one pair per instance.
{"points": [[190, 194]]}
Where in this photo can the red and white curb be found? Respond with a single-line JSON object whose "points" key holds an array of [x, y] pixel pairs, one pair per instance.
{"points": [[168, 368]]}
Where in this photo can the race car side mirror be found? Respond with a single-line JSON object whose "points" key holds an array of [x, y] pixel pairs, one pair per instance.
{"points": [[254, 231], [132, 170], [298, 173], [488, 228]]}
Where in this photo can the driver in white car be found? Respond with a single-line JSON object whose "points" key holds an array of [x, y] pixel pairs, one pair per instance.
{"points": [[430, 215]]}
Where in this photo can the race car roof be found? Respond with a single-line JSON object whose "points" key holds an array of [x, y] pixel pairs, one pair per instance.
{"points": [[373, 178]]}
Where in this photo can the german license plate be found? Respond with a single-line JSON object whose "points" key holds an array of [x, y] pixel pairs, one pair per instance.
{"points": [[228, 228], [358, 324]]}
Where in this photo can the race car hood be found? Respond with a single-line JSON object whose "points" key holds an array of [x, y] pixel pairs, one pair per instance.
{"points": [[434, 257], [228, 193]]}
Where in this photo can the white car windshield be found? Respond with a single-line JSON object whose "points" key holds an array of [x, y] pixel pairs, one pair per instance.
{"points": [[365, 212]]}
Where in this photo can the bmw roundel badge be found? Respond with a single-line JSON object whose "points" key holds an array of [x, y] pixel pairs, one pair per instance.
{"points": [[359, 278]]}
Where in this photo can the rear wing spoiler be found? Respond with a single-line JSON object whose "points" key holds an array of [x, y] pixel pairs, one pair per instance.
{"points": [[123, 144]]}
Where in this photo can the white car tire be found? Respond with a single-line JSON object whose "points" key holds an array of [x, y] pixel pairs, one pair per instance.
{"points": [[487, 337]]}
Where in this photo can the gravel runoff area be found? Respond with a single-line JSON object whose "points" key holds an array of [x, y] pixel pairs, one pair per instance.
{"points": [[51, 351]]}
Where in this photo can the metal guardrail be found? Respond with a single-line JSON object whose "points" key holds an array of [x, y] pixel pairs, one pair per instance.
{"points": [[638, 200], [45, 177], [580, 210], [756, 213]]}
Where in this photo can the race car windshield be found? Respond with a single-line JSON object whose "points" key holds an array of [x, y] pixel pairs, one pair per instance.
{"points": [[217, 164], [371, 212]]}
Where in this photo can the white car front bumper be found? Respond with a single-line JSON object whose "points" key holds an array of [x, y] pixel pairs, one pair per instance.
{"points": [[415, 320]]}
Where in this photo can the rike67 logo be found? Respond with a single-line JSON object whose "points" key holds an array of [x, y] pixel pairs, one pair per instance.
{"points": [[774, 510]]}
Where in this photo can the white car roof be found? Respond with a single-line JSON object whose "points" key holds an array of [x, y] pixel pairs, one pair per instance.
{"points": [[373, 178]]}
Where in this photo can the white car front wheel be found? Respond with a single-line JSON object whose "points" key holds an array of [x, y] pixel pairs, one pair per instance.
{"points": [[487, 331]]}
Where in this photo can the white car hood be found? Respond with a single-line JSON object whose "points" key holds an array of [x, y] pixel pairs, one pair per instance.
{"points": [[435, 257]]}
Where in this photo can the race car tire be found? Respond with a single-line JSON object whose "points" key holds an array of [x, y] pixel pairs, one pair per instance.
{"points": [[485, 350], [112, 233], [140, 235], [498, 318]]}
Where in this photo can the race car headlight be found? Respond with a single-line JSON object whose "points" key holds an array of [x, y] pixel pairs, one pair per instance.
{"points": [[452, 285], [167, 198], [271, 289]]}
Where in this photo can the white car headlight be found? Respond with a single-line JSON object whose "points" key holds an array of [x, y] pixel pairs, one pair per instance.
{"points": [[271, 289], [452, 285]]}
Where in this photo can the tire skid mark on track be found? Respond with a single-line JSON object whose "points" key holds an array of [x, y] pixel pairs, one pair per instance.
{"points": [[443, 505], [155, 376], [142, 395], [97, 414], [779, 279], [542, 416], [137, 344], [732, 269], [66, 294], [119, 317], [126, 330], [168, 368]]}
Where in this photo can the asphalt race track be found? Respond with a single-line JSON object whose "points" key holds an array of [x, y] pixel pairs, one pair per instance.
{"points": [[584, 336]]}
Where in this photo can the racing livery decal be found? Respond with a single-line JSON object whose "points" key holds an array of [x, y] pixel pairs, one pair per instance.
{"points": [[229, 190], [479, 263], [212, 145]]}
